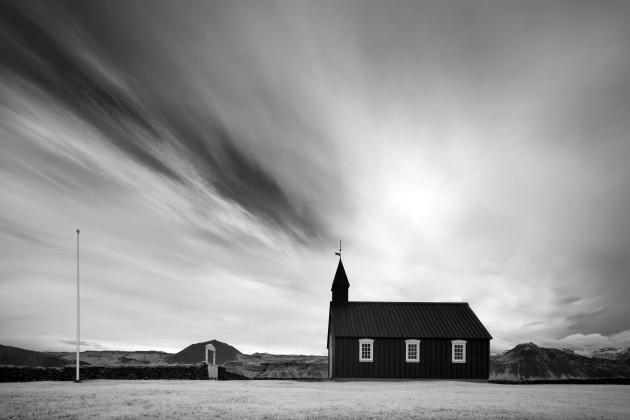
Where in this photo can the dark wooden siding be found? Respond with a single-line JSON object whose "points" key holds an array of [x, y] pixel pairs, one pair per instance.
{"points": [[389, 360]]}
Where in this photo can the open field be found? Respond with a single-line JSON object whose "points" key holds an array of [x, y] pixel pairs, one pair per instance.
{"points": [[293, 399]]}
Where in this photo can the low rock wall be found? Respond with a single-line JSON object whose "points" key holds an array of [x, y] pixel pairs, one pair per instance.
{"points": [[68, 373]]}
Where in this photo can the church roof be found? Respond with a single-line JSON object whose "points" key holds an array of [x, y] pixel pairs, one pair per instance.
{"points": [[341, 279], [405, 320]]}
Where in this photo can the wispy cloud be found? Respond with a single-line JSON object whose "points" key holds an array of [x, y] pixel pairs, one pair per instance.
{"points": [[85, 345]]}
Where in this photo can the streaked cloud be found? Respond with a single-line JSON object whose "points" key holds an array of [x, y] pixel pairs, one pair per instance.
{"points": [[213, 152]]}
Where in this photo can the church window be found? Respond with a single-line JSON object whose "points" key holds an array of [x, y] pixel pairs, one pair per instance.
{"points": [[459, 351], [412, 351], [366, 350]]}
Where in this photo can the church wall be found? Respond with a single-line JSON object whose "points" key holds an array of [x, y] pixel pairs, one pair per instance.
{"points": [[389, 360]]}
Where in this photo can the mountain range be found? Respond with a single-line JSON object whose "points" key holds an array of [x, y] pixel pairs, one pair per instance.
{"points": [[525, 362], [195, 353], [528, 362], [19, 357], [114, 358]]}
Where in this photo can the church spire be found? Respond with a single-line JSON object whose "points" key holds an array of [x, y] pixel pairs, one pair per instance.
{"points": [[340, 285]]}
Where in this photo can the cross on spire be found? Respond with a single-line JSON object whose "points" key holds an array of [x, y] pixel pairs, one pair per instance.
{"points": [[339, 253]]}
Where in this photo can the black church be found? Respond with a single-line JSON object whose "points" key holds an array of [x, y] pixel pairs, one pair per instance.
{"points": [[441, 340]]}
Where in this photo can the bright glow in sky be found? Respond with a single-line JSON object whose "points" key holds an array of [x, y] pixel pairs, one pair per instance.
{"points": [[212, 153]]}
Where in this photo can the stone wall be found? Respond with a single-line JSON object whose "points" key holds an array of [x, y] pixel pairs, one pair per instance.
{"points": [[68, 373]]}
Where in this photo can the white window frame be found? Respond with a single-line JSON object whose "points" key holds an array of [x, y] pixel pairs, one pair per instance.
{"points": [[417, 343], [370, 343], [458, 343]]}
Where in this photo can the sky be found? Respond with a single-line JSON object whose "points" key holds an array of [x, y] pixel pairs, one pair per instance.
{"points": [[212, 154]]}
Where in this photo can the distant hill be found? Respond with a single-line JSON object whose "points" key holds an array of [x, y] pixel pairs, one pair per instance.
{"points": [[115, 358], [530, 362], [196, 353], [20, 357], [276, 366]]}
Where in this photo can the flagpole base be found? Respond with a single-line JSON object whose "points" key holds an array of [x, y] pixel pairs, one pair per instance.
{"points": [[77, 381]]}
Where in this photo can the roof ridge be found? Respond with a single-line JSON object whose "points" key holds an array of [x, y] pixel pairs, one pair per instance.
{"points": [[435, 320]]}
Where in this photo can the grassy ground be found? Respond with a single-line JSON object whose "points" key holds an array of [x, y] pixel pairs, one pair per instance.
{"points": [[292, 399]]}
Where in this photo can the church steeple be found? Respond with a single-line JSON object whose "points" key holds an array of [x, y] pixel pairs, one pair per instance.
{"points": [[340, 286]]}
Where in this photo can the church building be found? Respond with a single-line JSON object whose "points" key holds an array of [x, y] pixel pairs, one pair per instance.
{"points": [[442, 340]]}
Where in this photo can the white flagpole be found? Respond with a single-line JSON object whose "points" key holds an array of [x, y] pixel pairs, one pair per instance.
{"points": [[78, 311]]}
